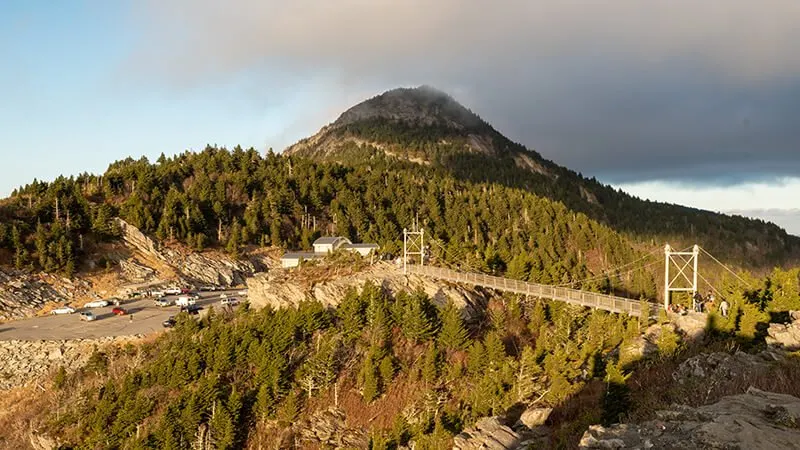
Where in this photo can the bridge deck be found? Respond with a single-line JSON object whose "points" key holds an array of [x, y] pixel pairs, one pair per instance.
{"points": [[605, 302]]}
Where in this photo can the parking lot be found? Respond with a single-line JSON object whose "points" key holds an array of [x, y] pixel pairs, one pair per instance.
{"points": [[142, 317]]}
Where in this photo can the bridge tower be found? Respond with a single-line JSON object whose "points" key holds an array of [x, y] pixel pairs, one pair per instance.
{"points": [[413, 245], [682, 261]]}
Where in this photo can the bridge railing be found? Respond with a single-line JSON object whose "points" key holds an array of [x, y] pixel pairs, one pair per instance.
{"points": [[573, 296]]}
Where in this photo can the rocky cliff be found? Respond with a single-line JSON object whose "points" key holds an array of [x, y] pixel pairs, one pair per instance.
{"points": [[281, 288], [754, 420], [196, 268], [24, 362], [22, 294]]}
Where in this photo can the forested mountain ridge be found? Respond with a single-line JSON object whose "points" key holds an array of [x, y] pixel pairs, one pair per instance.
{"points": [[239, 199], [428, 127]]}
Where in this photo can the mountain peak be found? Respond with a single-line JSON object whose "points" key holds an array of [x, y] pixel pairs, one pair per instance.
{"points": [[422, 105]]}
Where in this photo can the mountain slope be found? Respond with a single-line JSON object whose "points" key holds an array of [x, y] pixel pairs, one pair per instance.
{"points": [[428, 127]]}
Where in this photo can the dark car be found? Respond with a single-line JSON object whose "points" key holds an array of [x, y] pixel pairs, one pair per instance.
{"points": [[169, 323], [118, 311], [191, 309]]}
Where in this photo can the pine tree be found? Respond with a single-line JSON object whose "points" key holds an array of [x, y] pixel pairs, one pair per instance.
{"points": [[351, 313], [370, 387], [430, 365], [417, 324], [453, 335], [537, 318], [386, 370], [476, 359], [495, 349], [234, 240], [265, 402], [527, 375]]}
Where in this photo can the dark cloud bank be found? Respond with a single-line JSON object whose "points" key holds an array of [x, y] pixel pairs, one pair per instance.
{"points": [[704, 92]]}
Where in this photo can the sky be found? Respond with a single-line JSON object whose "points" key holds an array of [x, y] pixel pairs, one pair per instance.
{"points": [[696, 103]]}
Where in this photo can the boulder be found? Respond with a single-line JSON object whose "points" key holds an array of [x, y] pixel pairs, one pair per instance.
{"points": [[327, 428], [755, 420], [489, 433], [534, 417], [786, 336], [720, 366]]}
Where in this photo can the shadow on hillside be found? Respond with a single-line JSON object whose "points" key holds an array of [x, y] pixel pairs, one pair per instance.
{"points": [[652, 385]]}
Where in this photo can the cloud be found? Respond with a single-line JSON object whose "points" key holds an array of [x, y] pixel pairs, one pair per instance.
{"points": [[625, 90]]}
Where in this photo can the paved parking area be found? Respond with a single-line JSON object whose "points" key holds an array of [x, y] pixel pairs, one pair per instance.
{"points": [[143, 317]]}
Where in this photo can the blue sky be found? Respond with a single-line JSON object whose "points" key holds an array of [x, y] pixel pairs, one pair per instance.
{"points": [[73, 103], [676, 101]]}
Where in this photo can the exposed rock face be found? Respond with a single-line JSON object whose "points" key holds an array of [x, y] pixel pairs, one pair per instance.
{"points": [[278, 289], [219, 270], [327, 428], [206, 268], [488, 433], [785, 335], [133, 271], [136, 239], [755, 420], [713, 367], [23, 362], [22, 294]]}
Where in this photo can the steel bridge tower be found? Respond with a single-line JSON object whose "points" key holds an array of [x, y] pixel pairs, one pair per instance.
{"points": [[682, 261]]}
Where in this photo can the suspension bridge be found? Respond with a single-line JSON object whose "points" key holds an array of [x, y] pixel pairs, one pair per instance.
{"points": [[685, 279]]}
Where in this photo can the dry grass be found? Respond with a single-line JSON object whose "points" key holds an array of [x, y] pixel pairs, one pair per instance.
{"points": [[21, 414], [652, 387]]}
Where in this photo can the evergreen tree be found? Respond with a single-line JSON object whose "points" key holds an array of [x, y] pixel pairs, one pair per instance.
{"points": [[417, 324], [453, 335], [430, 365]]}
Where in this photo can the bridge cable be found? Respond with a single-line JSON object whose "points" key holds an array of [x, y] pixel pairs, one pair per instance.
{"points": [[710, 285], [614, 269], [607, 274], [725, 267]]}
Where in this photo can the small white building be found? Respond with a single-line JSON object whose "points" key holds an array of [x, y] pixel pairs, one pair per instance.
{"points": [[324, 246], [329, 244]]}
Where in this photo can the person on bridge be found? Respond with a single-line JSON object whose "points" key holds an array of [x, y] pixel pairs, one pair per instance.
{"points": [[723, 308]]}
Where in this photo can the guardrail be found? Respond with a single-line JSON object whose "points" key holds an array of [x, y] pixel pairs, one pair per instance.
{"points": [[605, 302]]}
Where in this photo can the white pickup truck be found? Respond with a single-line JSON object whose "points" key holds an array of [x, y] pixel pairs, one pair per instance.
{"points": [[186, 300]]}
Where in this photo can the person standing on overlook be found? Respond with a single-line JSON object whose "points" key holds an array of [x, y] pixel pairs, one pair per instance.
{"points": [[723, 308]]}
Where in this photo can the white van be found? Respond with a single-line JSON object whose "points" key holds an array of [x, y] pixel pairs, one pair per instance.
{"points": [[186, 300]]}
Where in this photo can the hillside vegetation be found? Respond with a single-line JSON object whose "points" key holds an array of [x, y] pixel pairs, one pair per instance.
{"points": [[399, 368], [427, 126], [234, 199]]}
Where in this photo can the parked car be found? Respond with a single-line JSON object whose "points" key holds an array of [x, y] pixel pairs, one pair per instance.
{"points": [[157, 293], [191, 309], [162, 302], [230, 301], [223, 296], [118, 311], [88, 316], [172, 291], [96, 304], [242, 292], [169, 323], [185, 290], [63, 310]]}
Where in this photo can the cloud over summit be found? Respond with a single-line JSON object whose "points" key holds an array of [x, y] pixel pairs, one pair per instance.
{"points": [[626, 90]]}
